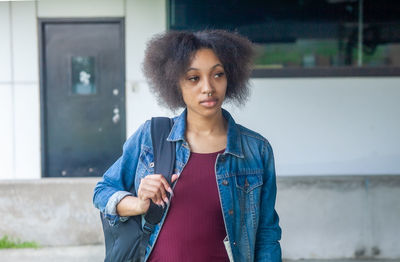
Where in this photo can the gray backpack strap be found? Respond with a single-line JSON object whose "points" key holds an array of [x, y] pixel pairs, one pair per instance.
{"points": [[164, 161], [163, 150]]}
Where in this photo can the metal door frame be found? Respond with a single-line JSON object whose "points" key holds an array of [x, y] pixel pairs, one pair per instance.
{"points": [[42, 72]]}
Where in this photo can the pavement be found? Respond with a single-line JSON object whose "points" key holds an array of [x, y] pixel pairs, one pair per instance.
{"points": [[51, 254], [95, 253]]}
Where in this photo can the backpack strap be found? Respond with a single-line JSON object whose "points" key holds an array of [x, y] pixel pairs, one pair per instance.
{"points": [[163, 150], [164, 161]]}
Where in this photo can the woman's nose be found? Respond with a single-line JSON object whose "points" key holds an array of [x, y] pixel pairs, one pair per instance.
{"points": [[207, 86]]}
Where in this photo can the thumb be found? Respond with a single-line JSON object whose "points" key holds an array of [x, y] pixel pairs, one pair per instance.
{"points": [[174, 177]]}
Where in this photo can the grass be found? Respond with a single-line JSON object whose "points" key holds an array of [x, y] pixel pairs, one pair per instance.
{"points": [[6, 242]]}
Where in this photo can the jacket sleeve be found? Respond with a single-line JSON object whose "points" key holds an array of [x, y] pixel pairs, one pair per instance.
{"points": [[269, 233], [118, 180]]}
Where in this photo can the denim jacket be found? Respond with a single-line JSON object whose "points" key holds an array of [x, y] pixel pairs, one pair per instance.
{"points": [[245, 176]]}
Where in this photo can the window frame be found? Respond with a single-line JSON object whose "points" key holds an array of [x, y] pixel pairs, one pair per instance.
{"points": [[342, 71]]}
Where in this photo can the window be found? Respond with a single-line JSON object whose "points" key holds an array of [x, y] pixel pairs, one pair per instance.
{"points": [[305, 37]]}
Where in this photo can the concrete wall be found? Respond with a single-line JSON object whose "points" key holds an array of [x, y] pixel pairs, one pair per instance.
{"points": [[321, 217], [340, 216], [53, 212]]}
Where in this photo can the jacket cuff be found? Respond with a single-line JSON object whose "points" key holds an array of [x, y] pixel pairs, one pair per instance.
{"points": [[111, 207]]}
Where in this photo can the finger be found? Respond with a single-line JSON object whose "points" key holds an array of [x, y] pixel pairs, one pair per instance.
{"points": [[168, 188], [160, 184], [158, 202], [160, 181], [174, 177], [151, 191]]}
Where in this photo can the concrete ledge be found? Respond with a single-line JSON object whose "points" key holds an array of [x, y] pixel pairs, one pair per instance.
{"points": [[322, 217], [59, 254], [51, 211], [340, 216]]}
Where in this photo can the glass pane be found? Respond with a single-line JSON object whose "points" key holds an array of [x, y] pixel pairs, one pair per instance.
{"points": [[83, 75], [381, 45], [302, 33], [304, 53]]}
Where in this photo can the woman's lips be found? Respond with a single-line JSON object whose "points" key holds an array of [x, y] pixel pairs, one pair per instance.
{"points": [[209, 102]]}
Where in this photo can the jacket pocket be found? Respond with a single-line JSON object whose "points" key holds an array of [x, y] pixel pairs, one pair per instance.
{"points": [[249, 180], [145, 166]]}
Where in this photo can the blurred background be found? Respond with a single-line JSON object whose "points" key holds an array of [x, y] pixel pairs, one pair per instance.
{"points": [[325, 91]]}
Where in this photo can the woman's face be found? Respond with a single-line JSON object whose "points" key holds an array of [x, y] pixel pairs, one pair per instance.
{"points": [[204, 84]]}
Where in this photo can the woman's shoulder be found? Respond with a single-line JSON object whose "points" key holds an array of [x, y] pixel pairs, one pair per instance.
{"points": [[247, 132], [140, 136], [252, 136]]}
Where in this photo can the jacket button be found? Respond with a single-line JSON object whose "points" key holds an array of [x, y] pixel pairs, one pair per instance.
{"points": [[151, 164], [230, 212], [234, 243], [225, 182]]}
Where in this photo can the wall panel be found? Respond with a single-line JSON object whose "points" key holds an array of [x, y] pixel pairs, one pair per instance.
{"points": [[78, 8], [6, 133], [27, 132], [5, 47], [25, 43]]}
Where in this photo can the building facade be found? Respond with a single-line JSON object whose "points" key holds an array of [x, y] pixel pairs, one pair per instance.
{"points": [[327, 127]]}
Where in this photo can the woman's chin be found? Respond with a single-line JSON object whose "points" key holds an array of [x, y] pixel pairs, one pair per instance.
{"points": [[208, 112]]}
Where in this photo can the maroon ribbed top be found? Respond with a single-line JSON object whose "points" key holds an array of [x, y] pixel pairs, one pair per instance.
{"points": [[194, 228]]}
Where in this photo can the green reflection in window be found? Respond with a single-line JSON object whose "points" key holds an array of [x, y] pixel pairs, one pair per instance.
{"points": [[83, 75], [304, 53]]}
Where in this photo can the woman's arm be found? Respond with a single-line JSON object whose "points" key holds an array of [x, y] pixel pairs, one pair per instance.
{"points": [[132, 206], [112, 194], [152, 187], [269, 232], [119, 179]]}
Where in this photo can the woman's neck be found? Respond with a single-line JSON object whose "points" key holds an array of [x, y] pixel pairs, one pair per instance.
{"points": [[213, 125]]}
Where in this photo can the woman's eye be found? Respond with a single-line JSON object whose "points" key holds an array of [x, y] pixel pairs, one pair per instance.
{"points": [[219, 75], [193, 78]]}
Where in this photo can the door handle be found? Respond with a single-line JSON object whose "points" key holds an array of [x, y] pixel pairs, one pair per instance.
{"points": [[116, 117]]}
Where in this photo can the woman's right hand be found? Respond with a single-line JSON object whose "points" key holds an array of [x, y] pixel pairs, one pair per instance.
{"points": [[154, 187]]}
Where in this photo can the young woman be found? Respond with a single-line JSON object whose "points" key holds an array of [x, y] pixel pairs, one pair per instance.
{"points": [[223, 204]]}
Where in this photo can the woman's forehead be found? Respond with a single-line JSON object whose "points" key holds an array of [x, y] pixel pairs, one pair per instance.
{"points": [[204, 58]]}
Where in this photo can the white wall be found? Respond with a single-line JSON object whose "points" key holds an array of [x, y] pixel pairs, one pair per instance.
{"points": [[79, 8], [6, 96], [6, 132], [143, 20], [26, 90], [317, 126], [328, 126], [19, 83], [5, 45]]}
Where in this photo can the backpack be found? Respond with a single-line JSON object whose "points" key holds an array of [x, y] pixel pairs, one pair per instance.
{"points": [[127, 241]]}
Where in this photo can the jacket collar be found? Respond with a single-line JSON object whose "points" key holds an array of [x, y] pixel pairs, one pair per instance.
{"points": [[234, 143]]}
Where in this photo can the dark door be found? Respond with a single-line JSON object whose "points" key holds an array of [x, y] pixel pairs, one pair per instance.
{"points": [[83, 98]]}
